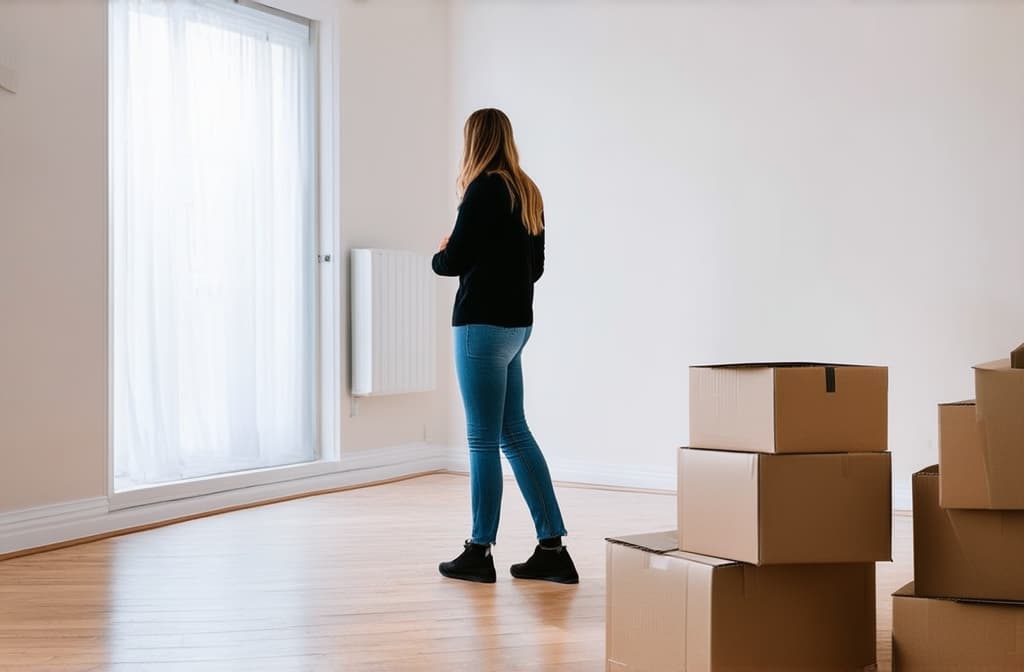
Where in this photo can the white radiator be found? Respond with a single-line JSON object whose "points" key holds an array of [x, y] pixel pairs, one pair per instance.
{"points": [[394, 349]]}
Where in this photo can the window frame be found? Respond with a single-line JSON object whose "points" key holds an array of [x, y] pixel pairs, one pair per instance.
{"points": [[324, 18]]}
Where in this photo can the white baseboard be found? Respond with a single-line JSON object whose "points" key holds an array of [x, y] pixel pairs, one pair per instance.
{"points": [[68, 521], [44, 525], [630, 477], [569, 471]]}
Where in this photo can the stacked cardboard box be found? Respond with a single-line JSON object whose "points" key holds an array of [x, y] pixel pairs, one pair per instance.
{"points": [[784, 506], [965, 608]]}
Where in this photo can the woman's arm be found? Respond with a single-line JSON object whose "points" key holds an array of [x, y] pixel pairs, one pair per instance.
{"points": [[537, 248], [463, 244]]}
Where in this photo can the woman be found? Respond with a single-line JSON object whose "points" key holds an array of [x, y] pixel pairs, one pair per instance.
{"points": [[497, 251]]}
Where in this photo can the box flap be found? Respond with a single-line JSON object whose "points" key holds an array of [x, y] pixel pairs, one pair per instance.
{"points": [[1007, 603], [928, 472], [966, 402], [703, 559], [653, 542], [666, 543], [997, 365], [773, 365], [908, 591]]}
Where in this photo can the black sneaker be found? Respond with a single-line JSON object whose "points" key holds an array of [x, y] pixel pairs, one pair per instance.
{"points": [[548, 564], [474, 564]]}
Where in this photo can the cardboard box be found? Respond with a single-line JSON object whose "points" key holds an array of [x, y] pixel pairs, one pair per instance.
{"points": [[970, 476], [1017, 357], [789, 408], [778, 509], [938, 635], [669, 611], [965, 553], [1000, 393]]}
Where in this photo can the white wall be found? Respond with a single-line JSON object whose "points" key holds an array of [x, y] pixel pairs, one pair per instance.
{"points": [[53, 193], [756, 181], [53, 250], [724, 181], [395, 186]]}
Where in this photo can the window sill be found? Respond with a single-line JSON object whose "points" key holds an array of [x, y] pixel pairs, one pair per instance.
{"points": [[208, 485]]}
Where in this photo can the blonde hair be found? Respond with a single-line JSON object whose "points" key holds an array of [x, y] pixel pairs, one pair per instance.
{"points": [[490, 148]]}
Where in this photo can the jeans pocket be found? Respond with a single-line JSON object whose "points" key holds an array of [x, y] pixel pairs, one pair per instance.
{"points": [[484, 341], [476, 341]]}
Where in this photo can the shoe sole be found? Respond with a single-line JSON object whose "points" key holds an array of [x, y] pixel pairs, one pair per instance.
{"points": [[552, 579], [469, 577]]}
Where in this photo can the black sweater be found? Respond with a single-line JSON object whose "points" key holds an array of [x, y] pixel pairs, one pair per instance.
{"points": [[494, 256]]}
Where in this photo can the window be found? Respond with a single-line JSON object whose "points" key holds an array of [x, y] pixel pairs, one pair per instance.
{"points": [[214, 239]]}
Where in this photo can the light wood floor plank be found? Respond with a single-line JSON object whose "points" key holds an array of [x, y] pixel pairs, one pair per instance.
{"points": [[342, 581]]}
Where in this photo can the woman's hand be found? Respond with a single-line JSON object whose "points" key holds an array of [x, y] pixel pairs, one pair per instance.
{"points": [[444, 244]]}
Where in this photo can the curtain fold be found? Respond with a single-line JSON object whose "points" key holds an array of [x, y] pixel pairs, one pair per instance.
{"points": [[212, 240]]}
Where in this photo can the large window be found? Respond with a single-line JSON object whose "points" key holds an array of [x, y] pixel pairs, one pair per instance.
{"points": [[213, 208]]}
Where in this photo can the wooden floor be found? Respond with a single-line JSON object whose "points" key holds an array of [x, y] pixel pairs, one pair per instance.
{"points": [[344, 581]]}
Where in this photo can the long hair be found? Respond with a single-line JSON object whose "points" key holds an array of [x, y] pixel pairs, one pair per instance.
{"points": [[490, 148]]}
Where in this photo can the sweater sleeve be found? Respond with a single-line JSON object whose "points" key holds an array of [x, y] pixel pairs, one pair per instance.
{"points": [[464, 242], [537, 248]]}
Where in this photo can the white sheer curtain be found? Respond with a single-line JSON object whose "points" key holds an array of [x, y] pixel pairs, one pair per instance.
{"points": [[212, 239]]}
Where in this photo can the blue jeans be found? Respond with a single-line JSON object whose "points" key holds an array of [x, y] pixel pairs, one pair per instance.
{"points": [[489, 367]]}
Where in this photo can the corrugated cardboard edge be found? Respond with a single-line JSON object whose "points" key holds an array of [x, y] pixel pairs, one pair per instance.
{"points": [[995, 365], [891, 505], [1017, 357], [775, 445], [780, 365], [756, 477], [652, 542], [699, 617], [971, 403], [907, 591], [666, 543]]}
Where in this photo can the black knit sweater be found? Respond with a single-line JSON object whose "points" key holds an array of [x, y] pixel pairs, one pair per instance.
{"points": [[494, 256]]}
